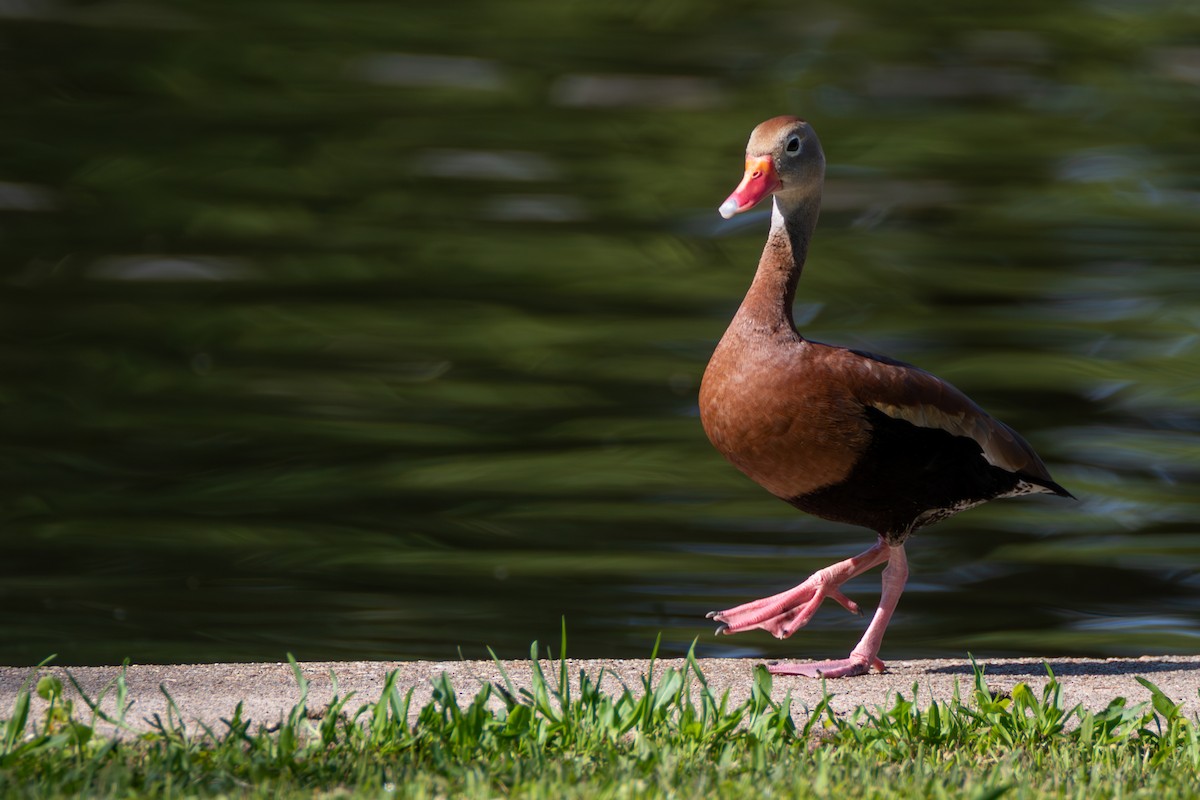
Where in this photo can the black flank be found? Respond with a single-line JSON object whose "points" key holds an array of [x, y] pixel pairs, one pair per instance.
{"points": [[907, 471]]}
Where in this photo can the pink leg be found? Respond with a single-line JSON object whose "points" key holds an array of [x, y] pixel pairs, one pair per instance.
{"points": [[783, 614], [865, 655]]}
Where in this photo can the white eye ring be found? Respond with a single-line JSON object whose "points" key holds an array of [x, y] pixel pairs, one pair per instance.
{"points": [[793, 144]]}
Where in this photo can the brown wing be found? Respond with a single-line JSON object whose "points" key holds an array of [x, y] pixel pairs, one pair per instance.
{"points": [[905, 392]]}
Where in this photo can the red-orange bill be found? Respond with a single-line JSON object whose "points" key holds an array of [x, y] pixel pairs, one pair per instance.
{"points": [[758, 182]]}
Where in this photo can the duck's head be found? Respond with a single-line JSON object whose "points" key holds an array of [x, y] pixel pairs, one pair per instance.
{"points": [[784, 158]]}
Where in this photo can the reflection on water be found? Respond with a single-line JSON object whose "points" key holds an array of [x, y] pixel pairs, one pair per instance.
{"points": [[360, 333]]}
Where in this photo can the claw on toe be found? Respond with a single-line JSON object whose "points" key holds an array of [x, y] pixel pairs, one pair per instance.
{"points": [[845, 602], [712, 615], [720, 629]]}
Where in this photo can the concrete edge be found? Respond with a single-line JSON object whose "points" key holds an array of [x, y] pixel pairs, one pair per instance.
{"points": [[207, 693]]}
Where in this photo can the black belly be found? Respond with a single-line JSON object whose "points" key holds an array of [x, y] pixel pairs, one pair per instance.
{"points": [[909, 477]]}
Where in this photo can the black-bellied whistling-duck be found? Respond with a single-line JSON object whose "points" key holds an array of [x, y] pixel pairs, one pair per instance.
{"points": [[842, 434]]}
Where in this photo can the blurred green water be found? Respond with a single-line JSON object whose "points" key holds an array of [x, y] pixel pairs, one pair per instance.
{"points": [[374, 331]]}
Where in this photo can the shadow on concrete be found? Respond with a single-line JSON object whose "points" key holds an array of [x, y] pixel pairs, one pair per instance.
{"points": [[1037, 669]]}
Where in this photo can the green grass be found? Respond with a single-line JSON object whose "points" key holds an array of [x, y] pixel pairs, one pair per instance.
{"points": [[670, 737]]}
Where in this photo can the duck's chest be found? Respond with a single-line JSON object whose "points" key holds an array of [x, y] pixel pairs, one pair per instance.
{"points": [[780, 414]]}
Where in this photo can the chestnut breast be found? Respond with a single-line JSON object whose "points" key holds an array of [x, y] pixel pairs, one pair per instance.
{"points": [[778, 407]]}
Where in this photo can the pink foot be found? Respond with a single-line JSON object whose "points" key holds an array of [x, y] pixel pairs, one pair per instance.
{"points": [[838, 668], [783, 614]]}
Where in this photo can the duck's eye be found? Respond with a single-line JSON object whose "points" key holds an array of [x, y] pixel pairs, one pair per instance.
{"points": [[793, 144]]}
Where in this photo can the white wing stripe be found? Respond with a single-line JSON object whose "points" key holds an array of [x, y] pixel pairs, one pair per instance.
{"points": [[970, 426]]}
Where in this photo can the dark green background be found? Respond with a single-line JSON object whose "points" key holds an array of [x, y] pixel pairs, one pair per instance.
{"points": [[374, 330]]}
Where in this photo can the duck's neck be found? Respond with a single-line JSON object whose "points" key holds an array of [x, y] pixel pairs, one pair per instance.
{"points": [[768, 304]]}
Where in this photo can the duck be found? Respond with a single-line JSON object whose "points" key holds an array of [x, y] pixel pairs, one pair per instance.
{"points": [[842, 434]]}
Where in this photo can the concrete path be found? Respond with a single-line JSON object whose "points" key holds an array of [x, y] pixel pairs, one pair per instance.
{"points": [[206, 693]]}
